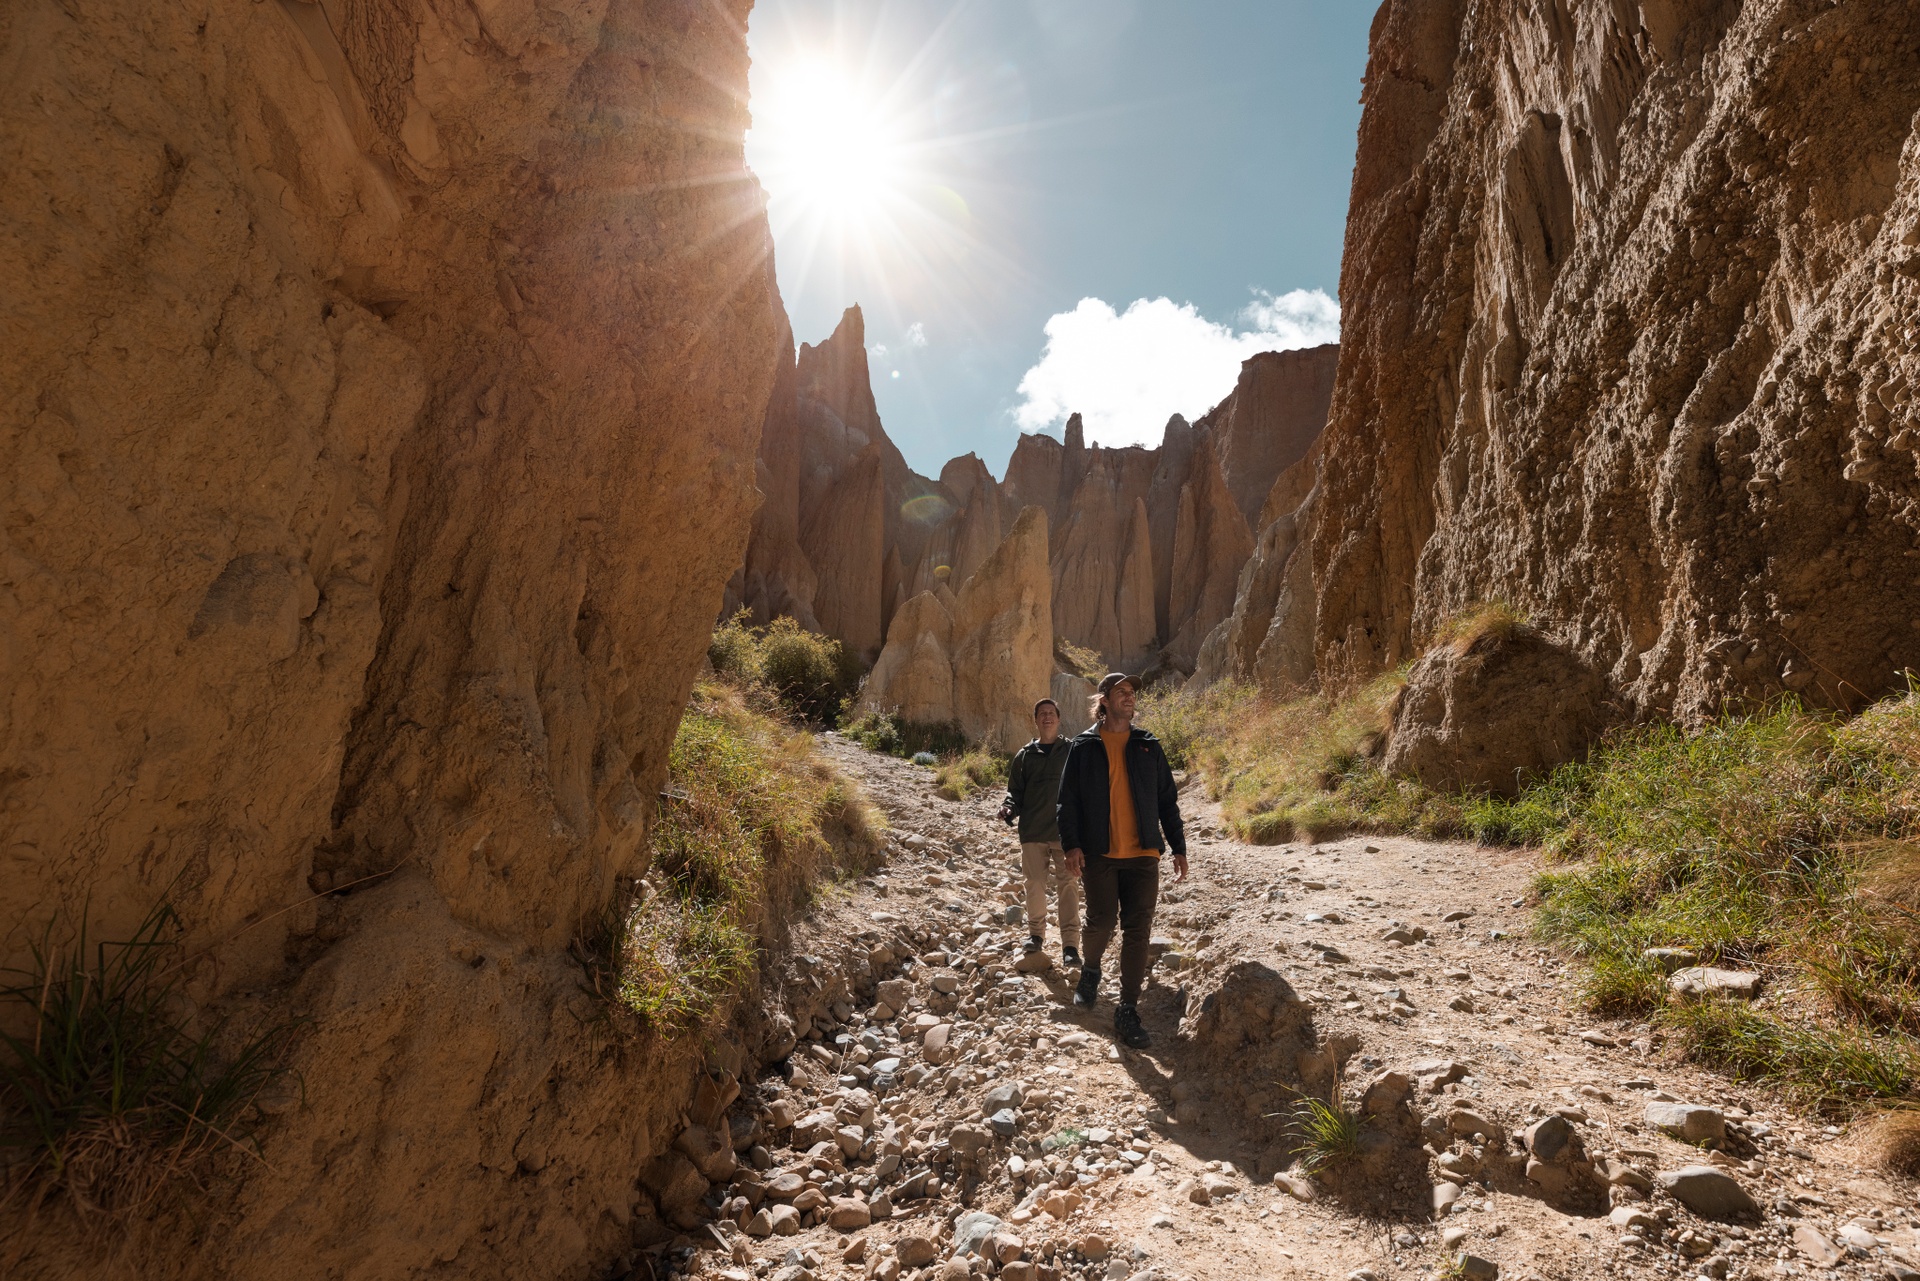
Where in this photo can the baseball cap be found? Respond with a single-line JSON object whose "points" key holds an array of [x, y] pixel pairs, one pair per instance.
{"points": [[1115, 678]]}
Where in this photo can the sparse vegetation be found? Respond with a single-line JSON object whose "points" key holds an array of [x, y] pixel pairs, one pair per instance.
{"points": [[1781, 839], [887, 733], [106, 1093], [811, 676], [1496, 619], [960, 776], [1895, 1140], [1078, 659], [752, 821], [1326, 1132], [1298, 769]]}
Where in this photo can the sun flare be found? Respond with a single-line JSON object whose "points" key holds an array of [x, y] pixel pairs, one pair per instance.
{"points": [[827, 145]]}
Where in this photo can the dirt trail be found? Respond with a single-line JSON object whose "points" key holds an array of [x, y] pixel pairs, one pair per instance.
{"points": [[1112, 1163]]}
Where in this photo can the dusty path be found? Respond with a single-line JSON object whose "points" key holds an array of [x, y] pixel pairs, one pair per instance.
{"points": [[1162, 1162]]}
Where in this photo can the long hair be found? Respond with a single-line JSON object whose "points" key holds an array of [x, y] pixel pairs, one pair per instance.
{"points": [[1097, 708]]}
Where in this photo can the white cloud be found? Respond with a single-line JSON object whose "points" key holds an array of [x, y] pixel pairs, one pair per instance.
{"points": [[1127, 372], [917, 334]]}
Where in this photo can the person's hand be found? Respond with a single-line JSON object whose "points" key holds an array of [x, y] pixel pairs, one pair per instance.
{"points": [[1076, 862], [1006, 812], [1180, 866]]}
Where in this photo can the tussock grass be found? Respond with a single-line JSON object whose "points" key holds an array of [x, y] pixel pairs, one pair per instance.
{"points": [[107, 1094], [752, 822], [1084, 662], [1296, 769], [1494, 620], [1326, 1132], [1895, 1139], [961, 776]]}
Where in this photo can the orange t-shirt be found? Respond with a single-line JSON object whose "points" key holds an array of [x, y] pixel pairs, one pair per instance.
{"points": [[1123, 832]]}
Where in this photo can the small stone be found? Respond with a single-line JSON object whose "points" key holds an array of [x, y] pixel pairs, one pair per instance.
{"points": [[760, 1225], [1003, 1096], [1005, 1123], [1455, 915], [1294, 1186], [786, 1186], [1593, 1036], [1858, 1240], [1702, 981], [1688, 1122], [915, 1251], [1811, 1242], [1192, 1190], [1093, 1246], [1633, 1219], [946, 982], [1466, 1123], [1548, 1139], [1452, 1237], [1034, 963], [848, 1214], [786, 1220], [1462, 1003], [856, 1251], [1472, 1265], [1710, 1193], [1444, 1195], [880, 1207], [935, 1042], [897, 993], [973, 1230], [955, 1270], [1218, 1186], [1388, 1091], [1669, 959]]}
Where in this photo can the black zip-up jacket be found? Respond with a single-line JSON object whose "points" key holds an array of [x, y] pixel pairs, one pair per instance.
{"points": [[1084, 808], [1033, 788]]}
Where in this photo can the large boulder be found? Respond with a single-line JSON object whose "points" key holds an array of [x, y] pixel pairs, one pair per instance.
{"points": [[1493, 707]]}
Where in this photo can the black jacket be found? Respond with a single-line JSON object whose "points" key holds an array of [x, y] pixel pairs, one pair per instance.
{"points": [[1084, 802], [1033, 788]]}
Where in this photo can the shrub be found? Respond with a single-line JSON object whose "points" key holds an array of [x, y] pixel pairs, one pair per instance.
{"points": [[1326, 1132], [884, 732], [106, 1092], [1078, 659], [810, 676]]}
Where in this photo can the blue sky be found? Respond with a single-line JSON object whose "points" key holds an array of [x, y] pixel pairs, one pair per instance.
{"points": [[1009, 188]]}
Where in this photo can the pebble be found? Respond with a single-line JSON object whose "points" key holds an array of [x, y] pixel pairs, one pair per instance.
{"points": [[1710, 1193], [1688, 1122]]}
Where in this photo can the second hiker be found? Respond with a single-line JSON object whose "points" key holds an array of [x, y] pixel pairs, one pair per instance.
{"points": [[1033, 791]]}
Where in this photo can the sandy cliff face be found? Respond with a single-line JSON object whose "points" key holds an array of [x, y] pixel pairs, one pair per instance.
{"points": [[378, 424], [1629, 340]]}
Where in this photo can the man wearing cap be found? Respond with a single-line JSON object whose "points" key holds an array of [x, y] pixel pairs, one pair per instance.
{"points": [[1119, 811], [1033, 800]]}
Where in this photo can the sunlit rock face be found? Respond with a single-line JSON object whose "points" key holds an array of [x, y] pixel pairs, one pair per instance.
{"points": [[382, 389], [1144, 545], [1629, 340]]}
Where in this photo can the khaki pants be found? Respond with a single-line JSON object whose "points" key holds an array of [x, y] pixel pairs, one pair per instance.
{"points": [[1037, 858]]}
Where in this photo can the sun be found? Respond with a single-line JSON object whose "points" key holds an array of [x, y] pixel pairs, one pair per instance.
{"points": [[825, 144]]}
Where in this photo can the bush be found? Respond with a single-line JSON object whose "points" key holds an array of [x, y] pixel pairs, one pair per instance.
{"points": [[109, 1097], [754, 819], [810, 676]]}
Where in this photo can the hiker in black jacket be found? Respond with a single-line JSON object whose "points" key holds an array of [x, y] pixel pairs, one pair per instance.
{"points": [[1033, 795], [1119, 811]]}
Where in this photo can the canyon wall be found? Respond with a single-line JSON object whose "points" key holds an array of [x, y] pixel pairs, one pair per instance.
{"points": [[1629, 312], [378, 424], [1144, 545]]}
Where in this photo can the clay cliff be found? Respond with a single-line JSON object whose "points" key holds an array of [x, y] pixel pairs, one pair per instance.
{"points": [[1629, 302], [1144, 545], [382, 390]]}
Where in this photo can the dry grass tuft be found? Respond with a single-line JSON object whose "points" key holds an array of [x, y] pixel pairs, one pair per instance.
{"points": [[1494, 621], [961, 776], [1895, 1140]]}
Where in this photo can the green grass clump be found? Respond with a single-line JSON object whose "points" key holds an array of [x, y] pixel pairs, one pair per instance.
{"points": [[810, 676], [1782, 840], [754, 819], [1326, 1132], [960, 776], [1078, 659], [105, 1092], [1296, 769]]}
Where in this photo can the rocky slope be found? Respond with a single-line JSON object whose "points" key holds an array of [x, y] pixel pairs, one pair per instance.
{"points": [[1144, 544], [1629, 340], [376, 427]]}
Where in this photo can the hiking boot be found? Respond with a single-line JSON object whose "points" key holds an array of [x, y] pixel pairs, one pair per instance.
{"points": [[1087, 991], [1070, 955], [1033, 943], [1127, 1026]]}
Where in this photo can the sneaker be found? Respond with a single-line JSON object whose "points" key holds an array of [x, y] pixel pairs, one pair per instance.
{"points": [[1070, 955], [1126, 1025], [1033, 943], [1087, 991]]}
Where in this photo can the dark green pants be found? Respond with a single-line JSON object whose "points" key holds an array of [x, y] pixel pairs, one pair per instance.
{"points": [[1123, 890]]}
